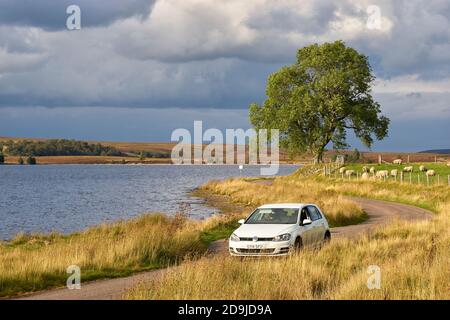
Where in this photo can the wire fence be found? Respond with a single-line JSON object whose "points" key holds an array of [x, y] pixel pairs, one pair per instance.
{"points": [[420, 178]]}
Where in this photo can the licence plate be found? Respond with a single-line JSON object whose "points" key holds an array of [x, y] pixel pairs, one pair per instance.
{"points": [[254, 246]]}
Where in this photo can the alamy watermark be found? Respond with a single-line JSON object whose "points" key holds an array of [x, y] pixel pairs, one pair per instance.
{"points": [[73, 21], [374, 280], [239, 145], [373, 17], [74, 280]]}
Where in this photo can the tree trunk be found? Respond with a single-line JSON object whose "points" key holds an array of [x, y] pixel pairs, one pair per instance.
{"points": [[318, 156]]}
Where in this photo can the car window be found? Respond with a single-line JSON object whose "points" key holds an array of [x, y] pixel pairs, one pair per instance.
{"points": [[314, 213], [273, 216]]}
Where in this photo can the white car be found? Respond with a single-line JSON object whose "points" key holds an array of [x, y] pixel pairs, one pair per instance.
{"points": [[279, 229]]}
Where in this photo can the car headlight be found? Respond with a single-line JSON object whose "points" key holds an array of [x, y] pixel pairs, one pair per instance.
{"points": [[234, 237], [282, 237]]}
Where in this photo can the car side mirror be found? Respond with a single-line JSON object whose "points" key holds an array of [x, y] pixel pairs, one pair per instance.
{"points": [[305, 222], [241, 221]]}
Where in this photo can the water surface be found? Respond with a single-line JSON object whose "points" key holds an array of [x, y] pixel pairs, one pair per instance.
{"points": [[69, 198]]}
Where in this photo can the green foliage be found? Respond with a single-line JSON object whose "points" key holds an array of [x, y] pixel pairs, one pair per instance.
{"points": [[58, 147], [20, 161], [31, 160], [317, 99], [220, 231], [153, 154]]}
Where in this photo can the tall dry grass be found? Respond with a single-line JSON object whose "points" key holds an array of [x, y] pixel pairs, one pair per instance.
{"points": [[414, 260], [414, 257], [30, 263], [338, 210]]}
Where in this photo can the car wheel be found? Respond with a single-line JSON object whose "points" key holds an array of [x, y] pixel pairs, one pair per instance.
{"points": [[298, 245], [327, 237]]}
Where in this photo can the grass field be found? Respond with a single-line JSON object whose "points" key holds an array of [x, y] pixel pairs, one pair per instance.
{"points": [[35, 262], [339, 211], [413, 258], [134, 148], [442, 176]]}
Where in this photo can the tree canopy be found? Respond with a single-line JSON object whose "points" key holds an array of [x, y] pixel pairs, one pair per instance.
{"points": [[317, 99], [57, 147]]}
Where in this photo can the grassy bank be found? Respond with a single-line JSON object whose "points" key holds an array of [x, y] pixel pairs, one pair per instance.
{"points": [[413, 258], [37, 262], [339, 211]]}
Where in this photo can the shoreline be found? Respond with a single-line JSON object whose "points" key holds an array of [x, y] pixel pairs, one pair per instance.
{"points": [[150, 164]]}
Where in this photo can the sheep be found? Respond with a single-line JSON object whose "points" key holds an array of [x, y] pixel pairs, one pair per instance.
{"points": [[382, 174], [372, 170], [394, 173], [448, 164], [397, 161], [408, 169], [422, 168], [430, 173], [365, 169], [342, 170], [349, 173], [365, 176]]}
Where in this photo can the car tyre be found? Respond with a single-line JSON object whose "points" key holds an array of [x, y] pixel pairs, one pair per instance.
{"points": [[327, 237], [298, 245]]}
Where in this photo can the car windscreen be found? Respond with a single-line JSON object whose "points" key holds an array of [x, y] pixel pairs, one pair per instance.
{"points": [[273, 216]]}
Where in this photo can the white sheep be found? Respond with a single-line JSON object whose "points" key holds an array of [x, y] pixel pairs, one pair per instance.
{"points": [[408, 169], [394, 173], [342, 170], [349, 173], [430, 173], [448, 164], [372, 170], [422, 168], [365, 176], [397, 161], [365, 169], [382, 174]]}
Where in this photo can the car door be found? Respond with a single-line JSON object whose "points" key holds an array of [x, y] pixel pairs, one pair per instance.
{"points": [[306, 232], [318, 224]]}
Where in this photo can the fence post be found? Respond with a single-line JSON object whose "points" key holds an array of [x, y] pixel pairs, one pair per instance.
{"points": [[428, 181], [438, 179], [418, 178], [401, 177]]}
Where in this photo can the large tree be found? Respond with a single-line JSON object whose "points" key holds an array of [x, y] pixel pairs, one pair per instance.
{"points": [[317, 99]]}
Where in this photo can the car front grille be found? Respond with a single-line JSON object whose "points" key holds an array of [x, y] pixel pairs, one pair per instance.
{"points": [[259, 239], [249, 251]]}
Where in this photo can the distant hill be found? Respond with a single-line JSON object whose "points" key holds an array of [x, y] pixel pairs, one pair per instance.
{"points": [[438, 151]]}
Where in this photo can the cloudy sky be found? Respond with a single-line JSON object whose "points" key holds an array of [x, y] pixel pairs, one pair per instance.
{"points": [[138, 69]]}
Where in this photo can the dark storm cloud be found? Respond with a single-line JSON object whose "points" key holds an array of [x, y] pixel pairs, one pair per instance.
{"points": [[51, 14], [204, 54]]}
